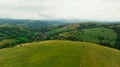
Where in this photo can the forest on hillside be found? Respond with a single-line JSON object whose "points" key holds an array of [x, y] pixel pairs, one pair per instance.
{"points": [[14, 32]]}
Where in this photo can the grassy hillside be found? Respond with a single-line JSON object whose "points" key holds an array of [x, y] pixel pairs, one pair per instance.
{"points": [[12, 32], [97, 35], [101, 35], [12, 35], [59, 54], [104, 34]]}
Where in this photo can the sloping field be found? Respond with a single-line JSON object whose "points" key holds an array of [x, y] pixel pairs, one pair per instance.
{"points": [[56, 53]]}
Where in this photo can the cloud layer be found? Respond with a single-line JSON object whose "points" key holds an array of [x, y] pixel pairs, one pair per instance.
{"points": [[61, 9]]}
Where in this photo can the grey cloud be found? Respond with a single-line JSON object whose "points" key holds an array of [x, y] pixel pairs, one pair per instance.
{"points": [[30, 8], [111, 0], [37, 0], [46, 16], [25, 7], [58, 9], [4, 15]]}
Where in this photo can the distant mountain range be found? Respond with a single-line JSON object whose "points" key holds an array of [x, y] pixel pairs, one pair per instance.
{"points": [[57, 20]]}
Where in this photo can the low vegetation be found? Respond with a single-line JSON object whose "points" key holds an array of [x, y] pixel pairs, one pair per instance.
{"points": [[99, 33], [41, 43], [59, 54]]}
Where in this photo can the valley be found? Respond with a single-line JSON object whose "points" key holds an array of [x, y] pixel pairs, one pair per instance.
{"points": [[57, 44]]}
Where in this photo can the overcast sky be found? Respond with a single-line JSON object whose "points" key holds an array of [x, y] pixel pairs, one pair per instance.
{"points": [[61, 9]]}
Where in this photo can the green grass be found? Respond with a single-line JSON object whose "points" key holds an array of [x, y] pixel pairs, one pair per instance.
{"points": [[91, 35], [59, 54]]}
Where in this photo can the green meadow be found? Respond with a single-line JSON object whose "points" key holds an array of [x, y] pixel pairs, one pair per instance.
{"points": [[94, 34], [57, 53]]}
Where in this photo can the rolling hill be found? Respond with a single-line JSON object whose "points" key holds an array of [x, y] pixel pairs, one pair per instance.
{"points": [[86, 32], [57, 53], [12, 35], [99, 33]]}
